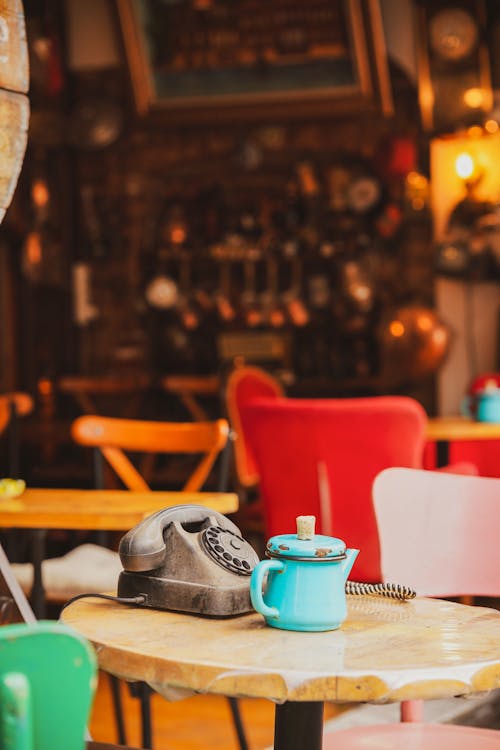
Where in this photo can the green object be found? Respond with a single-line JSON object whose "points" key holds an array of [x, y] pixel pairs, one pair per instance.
{"points": [[47, 682]]}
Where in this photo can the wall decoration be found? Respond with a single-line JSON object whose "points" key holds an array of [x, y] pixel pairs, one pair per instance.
{"points": [[254, 58], [454, 79]]}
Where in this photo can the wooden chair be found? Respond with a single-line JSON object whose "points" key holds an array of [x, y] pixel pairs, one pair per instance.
{"points": [[439, 535], [125, 392], [93, 567], [244, 384], [112, 436], [20, 611], [12, 406], [189, 389]]}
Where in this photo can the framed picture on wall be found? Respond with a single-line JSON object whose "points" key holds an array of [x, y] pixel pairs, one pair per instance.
{"points": [[255, 58]]}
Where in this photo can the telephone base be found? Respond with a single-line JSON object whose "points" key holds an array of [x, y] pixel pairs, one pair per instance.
{"points": [[186, 596]]}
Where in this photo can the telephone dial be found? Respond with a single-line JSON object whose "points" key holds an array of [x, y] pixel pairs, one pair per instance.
{"points": [[190, 559]]}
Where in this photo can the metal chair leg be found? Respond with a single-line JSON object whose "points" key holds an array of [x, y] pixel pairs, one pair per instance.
{"points": [[238, 723], [118, 709], [142, 692], [145, 699]]}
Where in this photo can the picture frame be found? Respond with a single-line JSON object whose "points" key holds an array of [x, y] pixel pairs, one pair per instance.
{"points": [[247, 59]]}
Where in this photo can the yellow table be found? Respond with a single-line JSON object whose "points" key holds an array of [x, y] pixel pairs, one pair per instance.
{"points": [[445, 429], [386, 651], [106, 510]]}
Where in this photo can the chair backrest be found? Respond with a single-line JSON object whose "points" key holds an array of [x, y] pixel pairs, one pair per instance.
{"points": [[47, 683], [320, 457], [244, 384], [439, 533], [15, 402], [112, 436], [16, 607], [93, 393], [13, 405]]}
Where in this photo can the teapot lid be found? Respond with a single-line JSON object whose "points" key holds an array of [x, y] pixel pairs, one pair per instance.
{"points": [[305, 544]]}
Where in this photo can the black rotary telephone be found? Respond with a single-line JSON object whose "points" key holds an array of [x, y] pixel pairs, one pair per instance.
{"points": [[190, 559]]}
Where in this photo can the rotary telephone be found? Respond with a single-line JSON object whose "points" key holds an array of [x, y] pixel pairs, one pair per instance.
{"points": [[190, 559]]}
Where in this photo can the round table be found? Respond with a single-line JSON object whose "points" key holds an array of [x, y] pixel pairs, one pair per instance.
{"points": [[386, 651]]}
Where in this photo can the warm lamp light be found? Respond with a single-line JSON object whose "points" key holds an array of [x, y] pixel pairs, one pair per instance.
{"points": [[474, 98], [464, 166], [396, 328], [458, 165], [40, 193], [491, 126]]}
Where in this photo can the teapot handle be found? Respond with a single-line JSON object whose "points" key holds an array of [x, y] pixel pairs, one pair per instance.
{"points": [[256, 583]]}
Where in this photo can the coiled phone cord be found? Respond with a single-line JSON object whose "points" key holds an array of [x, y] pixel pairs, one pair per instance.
{"points": [[390, 590]]}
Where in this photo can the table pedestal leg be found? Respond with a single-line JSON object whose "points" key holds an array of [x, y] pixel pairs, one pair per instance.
{"points": [[299, 726], [442, 453]]}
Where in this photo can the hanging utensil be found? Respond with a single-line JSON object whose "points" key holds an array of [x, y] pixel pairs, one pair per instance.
{"points": [[252, 311], [188, 314], [274, 314], [225, 307], [292, 299]]}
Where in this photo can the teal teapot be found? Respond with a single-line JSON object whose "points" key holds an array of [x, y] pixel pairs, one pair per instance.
{"points": [[484, 405], [305, 584]]}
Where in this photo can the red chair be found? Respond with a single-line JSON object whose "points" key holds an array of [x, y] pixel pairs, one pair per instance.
{"points": [[485, 454], [321, 456], [427, 521]]}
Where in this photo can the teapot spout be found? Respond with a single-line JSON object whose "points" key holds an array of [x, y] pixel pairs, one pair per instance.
{"points": [[346, 565]]}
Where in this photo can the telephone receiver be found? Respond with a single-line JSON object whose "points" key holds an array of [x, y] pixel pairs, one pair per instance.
{"points": [[188, 558]]}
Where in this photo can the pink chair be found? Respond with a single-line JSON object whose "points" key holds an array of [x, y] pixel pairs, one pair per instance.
{"points": [[413, 737], [427, 521], [320, 457]]}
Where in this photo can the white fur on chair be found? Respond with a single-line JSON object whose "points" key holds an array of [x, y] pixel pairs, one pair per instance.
{"points": [[86, 569]]}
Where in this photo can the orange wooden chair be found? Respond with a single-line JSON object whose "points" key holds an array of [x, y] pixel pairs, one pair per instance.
{"points": [[113, 436], [244, 384], [428, 523], [13, 405], [91, 393], [20, 402], [93, 567]]}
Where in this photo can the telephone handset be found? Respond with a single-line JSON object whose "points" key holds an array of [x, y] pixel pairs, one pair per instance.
{"points": [[188, 558]]}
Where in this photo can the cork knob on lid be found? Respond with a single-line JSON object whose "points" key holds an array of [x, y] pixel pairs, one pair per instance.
{"points": [[305, 527]]}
